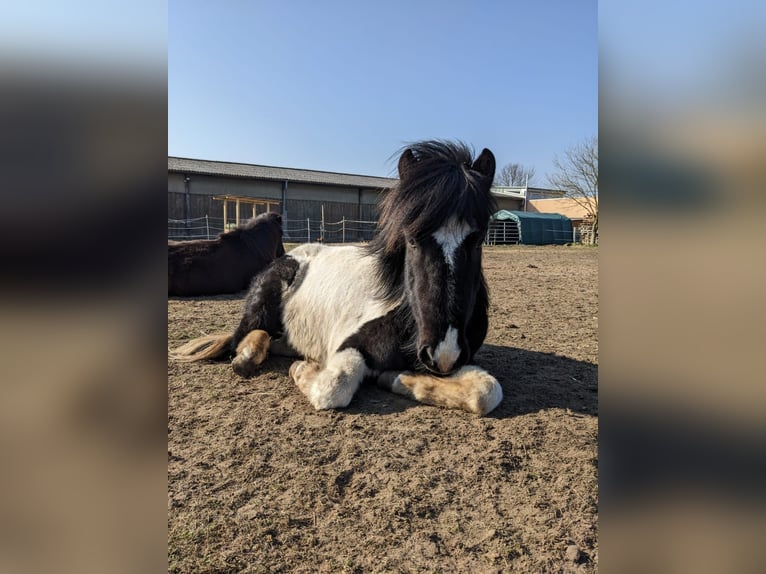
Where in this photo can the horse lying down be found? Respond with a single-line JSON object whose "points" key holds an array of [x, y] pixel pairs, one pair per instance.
{"points": [[228, 263], [408, 310]]}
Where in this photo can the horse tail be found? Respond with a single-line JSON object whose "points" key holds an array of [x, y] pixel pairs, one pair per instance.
{"points": [[202, 348]]}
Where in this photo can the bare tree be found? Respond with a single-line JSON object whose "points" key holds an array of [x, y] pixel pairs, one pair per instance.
{"points": [[514, 174], [577, 175]]}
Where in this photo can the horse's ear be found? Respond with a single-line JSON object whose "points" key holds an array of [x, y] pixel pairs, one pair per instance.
{"points": [[406, 162], [485, 164]]}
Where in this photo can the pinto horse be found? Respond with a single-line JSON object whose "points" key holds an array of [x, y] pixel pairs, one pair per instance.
{"points": [[228, 263], [408, 310]]}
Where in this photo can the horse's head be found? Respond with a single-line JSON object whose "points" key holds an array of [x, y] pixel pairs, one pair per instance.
{"points": [[269, 218], [261, 234], [444, 203]]}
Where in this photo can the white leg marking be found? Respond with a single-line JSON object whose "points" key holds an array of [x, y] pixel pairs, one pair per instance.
{"points": [[450, 236], [471, 389], [400, 388], [448, 351], [334, 386], [487, 393]]}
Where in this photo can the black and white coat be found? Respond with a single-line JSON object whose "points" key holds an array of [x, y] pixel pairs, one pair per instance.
{"points": [[409, 310]]}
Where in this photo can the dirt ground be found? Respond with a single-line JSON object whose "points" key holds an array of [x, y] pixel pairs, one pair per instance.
{"points": [[260, 482]]}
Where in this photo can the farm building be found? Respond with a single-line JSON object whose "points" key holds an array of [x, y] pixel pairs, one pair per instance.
{"points": [[205, 197], [210, 190], [517, 198], [578, 211], [574, 210]]}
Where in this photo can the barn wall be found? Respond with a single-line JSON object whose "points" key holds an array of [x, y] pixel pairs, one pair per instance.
{"points": [[509, 203], [371, 196], [200, 205], [175, 183], [304, 201], [335, 212], [307, 192], [209, 185]]}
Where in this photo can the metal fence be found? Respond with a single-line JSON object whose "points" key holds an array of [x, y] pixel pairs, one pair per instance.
{"points": [[293, 230], [312, 230], [343, 231], [507, 233], [197, 228], [502, 233]]}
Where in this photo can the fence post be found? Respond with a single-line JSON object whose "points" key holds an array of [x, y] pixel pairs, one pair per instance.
{"points": [[321, 226], [308, 229], [207, 226], [343, 229]]}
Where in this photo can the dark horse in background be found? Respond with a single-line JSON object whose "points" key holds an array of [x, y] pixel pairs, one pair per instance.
{"points": [[228, 263], [408, 310]]}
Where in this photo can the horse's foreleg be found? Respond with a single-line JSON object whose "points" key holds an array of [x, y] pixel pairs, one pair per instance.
{"points": [[252, 350], [471, 389], [283, 348], [334, 385]]}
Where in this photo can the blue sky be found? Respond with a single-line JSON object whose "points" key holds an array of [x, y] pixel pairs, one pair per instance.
{"points": [[341, 86]]}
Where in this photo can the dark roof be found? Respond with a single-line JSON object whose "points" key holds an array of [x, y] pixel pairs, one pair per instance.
{"points": [[246, 170]]}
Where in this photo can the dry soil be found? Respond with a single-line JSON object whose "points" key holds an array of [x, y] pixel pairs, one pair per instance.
{"points": [[260, 482]]}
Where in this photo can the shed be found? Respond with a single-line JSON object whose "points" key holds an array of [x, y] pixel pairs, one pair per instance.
{"points": [[529, 228]]}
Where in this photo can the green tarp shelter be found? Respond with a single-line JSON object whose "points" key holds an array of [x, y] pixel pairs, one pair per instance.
{"points": [[538, 228]]}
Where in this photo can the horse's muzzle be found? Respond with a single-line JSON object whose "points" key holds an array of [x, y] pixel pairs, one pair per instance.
{"points": [[440, 362]]}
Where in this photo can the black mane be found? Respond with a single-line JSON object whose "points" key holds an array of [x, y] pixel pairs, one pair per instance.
{"points": [[437, 181], [254, 232]]}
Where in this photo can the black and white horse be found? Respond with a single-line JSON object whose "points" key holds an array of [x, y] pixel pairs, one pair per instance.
{"points": [[408, 310]]}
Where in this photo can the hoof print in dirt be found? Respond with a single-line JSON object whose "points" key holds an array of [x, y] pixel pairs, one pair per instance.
{"points": [[572, 553]]}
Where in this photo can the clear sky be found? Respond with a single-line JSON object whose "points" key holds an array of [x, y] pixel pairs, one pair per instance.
{"points": [[341, 86]]}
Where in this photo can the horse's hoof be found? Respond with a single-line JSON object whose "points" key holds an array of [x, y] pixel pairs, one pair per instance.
{"points": [[296, 369], [300, 371], [386, 379], [244, 366]]}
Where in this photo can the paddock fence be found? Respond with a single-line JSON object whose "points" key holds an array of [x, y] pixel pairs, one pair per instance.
{"points": [[293, 230], [507, 233], [344, 231]]}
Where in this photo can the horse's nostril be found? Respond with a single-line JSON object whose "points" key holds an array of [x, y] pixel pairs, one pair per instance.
{"points": [[426, 355]]}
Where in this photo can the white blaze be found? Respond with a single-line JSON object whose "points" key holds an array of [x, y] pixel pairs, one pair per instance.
{"points": [[450, 236], [448, 351]]}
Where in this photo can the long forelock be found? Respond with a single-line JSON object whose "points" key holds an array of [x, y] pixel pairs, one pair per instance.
{"points": [[439, 186]]}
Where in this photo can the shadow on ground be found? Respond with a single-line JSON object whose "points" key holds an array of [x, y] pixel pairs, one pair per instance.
{"points": [[531, 381]]}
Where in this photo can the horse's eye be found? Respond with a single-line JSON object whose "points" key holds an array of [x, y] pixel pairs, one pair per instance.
{"points": [[411, 242]]}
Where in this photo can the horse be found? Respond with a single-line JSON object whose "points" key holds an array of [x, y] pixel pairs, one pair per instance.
{"points": [[228, 263], [407, 310]]}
